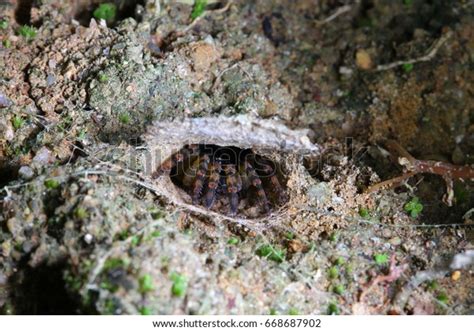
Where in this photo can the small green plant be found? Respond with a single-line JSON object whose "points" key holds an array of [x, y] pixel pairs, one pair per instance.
{"points": [[124, 118], [339, 261], [145, 283], [293, 311], [51, 183], [414, 207], [271, 253], [442, 298], [432, 285], [3, 24], [198, 9], [17, 122], [233, 241], [408, 2], [333, 309], [290, 235], [333, 237], [407, 67], [339, 289], [27, 32], [113, 263], [81, 213], [145, 310], [135, 241], [106, 11], [155, 234], [381, 259], [273, 311], [180, 284], [7, 43], [333, 272], [103, 78], [364, 212]]}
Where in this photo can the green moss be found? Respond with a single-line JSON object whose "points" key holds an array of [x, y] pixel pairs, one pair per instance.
{"points": [[333, 272], [145, 283], [293, 311], [407, 67], [145, 310], [124, 118], [233, 241], [180, 284], [333, 309], [339, 289], [27, 32], [413, 207], [364, 212], [381, 259], [3, 24], [113, 263], [271, 253], [198, 9], [17, 122], [442, 298], [51, 183], [339, 261], [103, 78], [81, 213], [106, 11]]}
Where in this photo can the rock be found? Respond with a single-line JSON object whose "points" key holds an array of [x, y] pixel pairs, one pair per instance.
{"points": [[26, 172], [363, 59]]}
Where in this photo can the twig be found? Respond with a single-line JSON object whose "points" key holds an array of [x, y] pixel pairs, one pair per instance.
{"points": [[427, 57], [339, 11], [413, 166]]}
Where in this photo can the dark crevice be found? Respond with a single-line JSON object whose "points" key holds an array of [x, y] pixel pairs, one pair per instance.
{"points": [[41, 291]]}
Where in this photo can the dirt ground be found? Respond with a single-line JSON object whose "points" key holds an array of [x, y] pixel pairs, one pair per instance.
{"points": [[89, 107]]}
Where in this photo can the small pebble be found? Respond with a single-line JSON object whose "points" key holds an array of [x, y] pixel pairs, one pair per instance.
{"points": [[26, 172], [456, 275], [363, 59], [88, 238]]}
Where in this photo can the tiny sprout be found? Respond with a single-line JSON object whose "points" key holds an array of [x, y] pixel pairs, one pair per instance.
{"points": [[145, 310], [333, 272], [81, 213], [233, 241], [271, 253], [413, 207], [124, 118], [17, 122], [28, 32], [106, 11], [198, 9], [333, 309], [293, 311], [364, 213], [381, 259], [339, 289], [273, 311], [145, 283], [339, 261], [7, 43], [103, 78], [443, 298], [51, 183], [3, 24], [180, 284], [407, 67]]}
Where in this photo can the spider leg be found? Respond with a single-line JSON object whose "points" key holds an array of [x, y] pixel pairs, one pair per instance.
{"points": [[234, 185], [200, 178], [275, 183], [257, 183], [179, 157], [213, 183]]}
